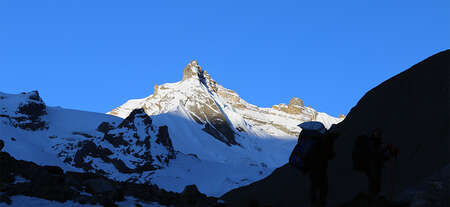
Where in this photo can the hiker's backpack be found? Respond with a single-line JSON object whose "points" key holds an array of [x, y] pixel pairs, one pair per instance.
{"points": [[301, 156], [361, 153], [309, 139]]}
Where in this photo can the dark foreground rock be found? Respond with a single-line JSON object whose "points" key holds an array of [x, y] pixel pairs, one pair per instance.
{"points": [[364, 200], [412, 109], [52, 183]]}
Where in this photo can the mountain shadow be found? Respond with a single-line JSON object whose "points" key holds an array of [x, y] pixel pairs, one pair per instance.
{"points": [[412, 108]]}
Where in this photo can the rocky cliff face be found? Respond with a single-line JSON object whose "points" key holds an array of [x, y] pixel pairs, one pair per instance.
{"points": [[221, 111]]}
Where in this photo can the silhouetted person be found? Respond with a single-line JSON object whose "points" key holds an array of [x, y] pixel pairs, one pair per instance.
{"points": [[2, 144], [378, 154], [314, 149], [320, 156]]}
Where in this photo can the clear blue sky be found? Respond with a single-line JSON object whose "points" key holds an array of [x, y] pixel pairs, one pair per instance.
{"points": [[95, 55]]}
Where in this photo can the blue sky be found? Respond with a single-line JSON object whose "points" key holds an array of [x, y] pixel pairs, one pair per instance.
{"points": [[95, 55]]}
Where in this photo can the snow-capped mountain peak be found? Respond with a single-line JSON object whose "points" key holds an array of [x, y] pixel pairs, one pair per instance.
{"points": [[221, 111]]}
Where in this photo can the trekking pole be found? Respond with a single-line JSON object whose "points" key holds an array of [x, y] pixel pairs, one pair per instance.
{"points": [[391, 180], [386, 180], [307, 201], [393, 168], [394, 173]]}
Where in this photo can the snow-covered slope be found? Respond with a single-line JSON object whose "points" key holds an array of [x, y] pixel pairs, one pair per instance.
{"points": [[122, 149], [29, 128], [138, 148]]}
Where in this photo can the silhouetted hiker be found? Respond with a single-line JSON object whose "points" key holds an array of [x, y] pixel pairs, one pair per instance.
{"points": [[369, 156], [311, 155], [2, 144]]}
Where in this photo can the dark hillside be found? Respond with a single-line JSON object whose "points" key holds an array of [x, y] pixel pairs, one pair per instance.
{"points": [[412, 108]]}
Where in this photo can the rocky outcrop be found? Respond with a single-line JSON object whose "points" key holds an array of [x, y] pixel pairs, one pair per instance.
{"points": [[192, 196], [296, 106], [221, 130], [134, 139], [155, 89], [296, 102], [32, 109], [163, 138], [28, 113], [129, 122], [89, 148], [216, 130], [105, 127]]}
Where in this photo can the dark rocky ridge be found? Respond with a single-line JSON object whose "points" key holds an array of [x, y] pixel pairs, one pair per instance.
{"points": [[52, 183], [412, 108]]}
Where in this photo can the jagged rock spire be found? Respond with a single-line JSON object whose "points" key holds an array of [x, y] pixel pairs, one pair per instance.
{"points": [[192, 70]]}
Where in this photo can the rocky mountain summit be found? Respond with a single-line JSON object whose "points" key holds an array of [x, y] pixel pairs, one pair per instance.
{"points": [[221, 111]]}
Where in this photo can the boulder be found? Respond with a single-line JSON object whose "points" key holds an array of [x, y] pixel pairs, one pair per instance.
{"points": [[105, 127], [98, 186], [54, 170], [191, 196], [5, 199], [32, 109]]}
